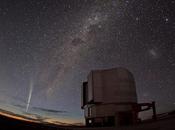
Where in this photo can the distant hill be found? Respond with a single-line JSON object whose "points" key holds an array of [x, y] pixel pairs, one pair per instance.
{"points": [[11, 121]]}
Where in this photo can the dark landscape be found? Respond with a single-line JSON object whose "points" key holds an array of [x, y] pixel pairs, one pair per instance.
{"points": [[166, 121]]}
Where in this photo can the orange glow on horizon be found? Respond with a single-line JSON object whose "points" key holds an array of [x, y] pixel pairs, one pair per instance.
{"points": [[17, 117], [65, 122]]}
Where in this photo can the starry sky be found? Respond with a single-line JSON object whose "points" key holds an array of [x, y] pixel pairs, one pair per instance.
{"points": [[48, 47]]}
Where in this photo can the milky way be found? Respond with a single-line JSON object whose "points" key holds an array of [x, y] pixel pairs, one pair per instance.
{"points": [[58, 42]]}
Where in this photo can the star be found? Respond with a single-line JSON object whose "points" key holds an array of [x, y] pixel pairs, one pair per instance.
{"points": [[153, 53], [166, 19], [137, 18]]}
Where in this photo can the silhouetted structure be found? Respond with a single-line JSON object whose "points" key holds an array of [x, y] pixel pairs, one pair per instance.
{"points": [[109, 98]]}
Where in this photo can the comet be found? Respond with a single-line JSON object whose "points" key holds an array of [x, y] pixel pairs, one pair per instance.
{"points": [[30, 95]]}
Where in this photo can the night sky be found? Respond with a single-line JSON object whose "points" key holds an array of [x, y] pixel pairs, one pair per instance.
{"points": [[48, 47]]}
